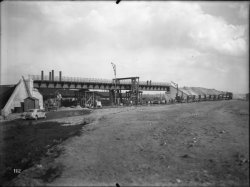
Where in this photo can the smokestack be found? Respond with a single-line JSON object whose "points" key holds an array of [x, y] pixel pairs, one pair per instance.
{"points": [[60, 75], [42, 75], [52, 75]]}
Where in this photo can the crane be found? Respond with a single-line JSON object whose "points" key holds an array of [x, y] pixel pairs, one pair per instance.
{"points": [[178, 99]]}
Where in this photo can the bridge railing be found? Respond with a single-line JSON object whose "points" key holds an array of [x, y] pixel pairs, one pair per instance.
{"points": [[95, 80], [71, 79], [80, 79], [145, 83]]}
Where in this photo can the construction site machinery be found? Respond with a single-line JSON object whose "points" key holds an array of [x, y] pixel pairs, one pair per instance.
{"points": [[134, 95], [54, 103]]}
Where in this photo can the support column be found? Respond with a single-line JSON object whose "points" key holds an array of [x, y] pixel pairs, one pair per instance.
{"points": [[120, 96], [111, 97]]}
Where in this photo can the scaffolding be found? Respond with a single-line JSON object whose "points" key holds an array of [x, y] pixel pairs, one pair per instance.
{"points": [[133, 96], [86, 98]]}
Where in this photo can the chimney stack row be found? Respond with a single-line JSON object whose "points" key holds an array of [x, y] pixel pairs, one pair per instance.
{"points": [[51, 75]]}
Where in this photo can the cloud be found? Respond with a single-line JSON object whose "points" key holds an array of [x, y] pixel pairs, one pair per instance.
{"points": [[213, 33], [244, 11], [166, 26], [161, 41]]}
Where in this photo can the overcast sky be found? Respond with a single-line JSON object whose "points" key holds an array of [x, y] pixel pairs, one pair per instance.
{"points": [[203, 44]]}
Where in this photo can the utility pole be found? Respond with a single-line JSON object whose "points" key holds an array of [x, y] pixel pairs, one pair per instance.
{"points": [[114, 68], [177, 95], [175, 84]]}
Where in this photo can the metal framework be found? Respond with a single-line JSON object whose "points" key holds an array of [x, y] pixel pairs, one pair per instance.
{"points": [[85, 98], [134, 95]]}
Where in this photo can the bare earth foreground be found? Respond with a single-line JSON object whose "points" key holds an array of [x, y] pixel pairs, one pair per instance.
{"points": [[184, 144]]}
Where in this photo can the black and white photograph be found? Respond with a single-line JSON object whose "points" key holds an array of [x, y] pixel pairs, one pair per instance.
{"points": [[124, 93]]}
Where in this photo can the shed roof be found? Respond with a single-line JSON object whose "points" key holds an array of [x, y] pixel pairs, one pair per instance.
{"points": [[200, 91], [33, 98]]}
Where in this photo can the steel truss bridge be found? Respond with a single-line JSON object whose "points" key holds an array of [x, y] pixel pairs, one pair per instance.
{"points": [[62, 82]]}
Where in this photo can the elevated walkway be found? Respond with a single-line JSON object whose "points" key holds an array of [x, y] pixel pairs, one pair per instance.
{"points": [[91, 83]]}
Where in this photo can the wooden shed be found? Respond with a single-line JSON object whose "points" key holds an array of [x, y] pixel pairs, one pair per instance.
{"points": [[31, 103]]}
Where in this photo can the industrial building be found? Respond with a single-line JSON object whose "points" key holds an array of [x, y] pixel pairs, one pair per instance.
{"points": [[51, 92]]}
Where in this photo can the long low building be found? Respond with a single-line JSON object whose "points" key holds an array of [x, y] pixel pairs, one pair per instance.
{"points": [[194, 92]]}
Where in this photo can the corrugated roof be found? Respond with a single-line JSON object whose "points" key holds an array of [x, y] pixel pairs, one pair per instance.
{"points": [[200, 91]]}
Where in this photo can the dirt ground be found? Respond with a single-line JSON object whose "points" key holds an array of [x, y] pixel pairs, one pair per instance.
{"points": [[203, 144]]}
